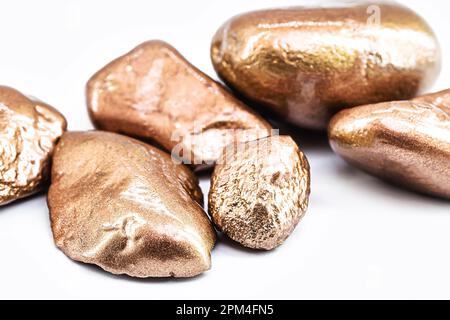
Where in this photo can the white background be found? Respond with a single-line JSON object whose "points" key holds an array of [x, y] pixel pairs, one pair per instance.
{"points": [[361, 238]]}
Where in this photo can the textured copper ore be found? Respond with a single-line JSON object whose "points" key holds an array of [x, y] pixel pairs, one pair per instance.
{"points": [[153, 93], [126, 207], [305, 64], [404, 142], [260, 191], [29, 130]]}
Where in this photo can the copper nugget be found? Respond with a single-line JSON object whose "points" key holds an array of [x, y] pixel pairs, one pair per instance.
{"points": [[29, 130], [153, 93], [307, 63], [126, 207], [404, 142], [260, 191]]}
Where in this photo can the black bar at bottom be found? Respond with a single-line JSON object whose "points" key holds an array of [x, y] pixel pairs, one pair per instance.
{"points": [[227, 309]]}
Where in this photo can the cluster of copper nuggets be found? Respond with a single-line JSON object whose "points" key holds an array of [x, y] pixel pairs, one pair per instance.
{"points": [[129, 208]]}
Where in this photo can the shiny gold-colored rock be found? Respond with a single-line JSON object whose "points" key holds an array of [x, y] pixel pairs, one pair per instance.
{"points": [[305, 64], [29, 130], [404, 142], [125, 206], [260, 191], [153, 93]]}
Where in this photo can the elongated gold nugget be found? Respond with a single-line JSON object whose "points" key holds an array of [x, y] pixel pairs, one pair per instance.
{"points": [[126, 207], [404, 142], [260, 191], [305, 64], [153, 93], [29, 130]]}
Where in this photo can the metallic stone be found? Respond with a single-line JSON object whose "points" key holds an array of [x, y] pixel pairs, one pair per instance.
{"points": [[125, 206], [153, 93], [404, 142], [305, 64], [260, 191], [29, 130]]}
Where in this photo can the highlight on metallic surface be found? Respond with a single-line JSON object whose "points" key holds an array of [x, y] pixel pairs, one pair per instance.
{"points": [[125, 206], [29, 130], [304, 64], [155, 94], [260, 191], [404, 142]]}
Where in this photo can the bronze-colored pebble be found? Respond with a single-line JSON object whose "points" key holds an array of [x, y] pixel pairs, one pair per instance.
{"points": [[305, 64], [404, 142], [29, 130], [126, 207], [260, 191], [153, 93]]}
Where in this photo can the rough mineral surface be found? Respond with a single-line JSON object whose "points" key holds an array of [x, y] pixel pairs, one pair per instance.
{"points": [[260, 191]]}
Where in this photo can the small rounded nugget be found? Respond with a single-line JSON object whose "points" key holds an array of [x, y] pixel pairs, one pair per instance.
{"points": [[260, 191], [29, 130], [126, 207], [404, 142], [154, 94], [307, 63]]}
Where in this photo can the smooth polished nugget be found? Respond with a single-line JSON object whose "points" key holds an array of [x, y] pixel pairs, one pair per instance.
{"points": [[260, 191], [29, 130], [154, 93], [307, 63], [126, 207], [404, 142]]}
